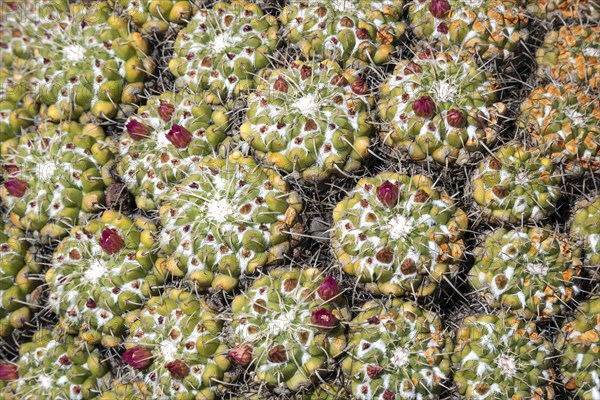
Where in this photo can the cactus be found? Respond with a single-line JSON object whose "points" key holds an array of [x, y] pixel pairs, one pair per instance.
{"points": [[311, 119], [578, 345], [500, 357], [222, 48], [397, 350], [156, 16], [54, 176], [516, 185], [398, 234], [441, 107], [530, 271], [491, 29], [564, 10], [288, 326], [564, 122], [570, 55], [346, 31], [584, 229], [153, 154], [225, 220], [99, 273]]}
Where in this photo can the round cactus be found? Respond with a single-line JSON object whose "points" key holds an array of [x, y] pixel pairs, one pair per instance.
{"points": [[578, 344], [55, 366], [564, 122], [100, 272], [397, 351], [500, 357], [571, 55], [156, 16], [164, 141], [227, 219], [564, 10], [175, 348], [530, 271], [492, 29], [398, 234], [53, 176], [222, 48], [288, 326], [585, 230], [516, 185], [19, 283], [442, 107], [312, 119], [345, 31]]}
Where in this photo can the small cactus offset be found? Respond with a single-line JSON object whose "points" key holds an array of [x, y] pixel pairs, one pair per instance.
{"points": [[164, 141], [585, 231], [53, 176], [156, 16], [398, 234], [531, 271], [441, 107], [397, 351], [499, 357], [99, 273], [347, 31], [311, 119], [226, 220], [288, 327], [222, 48], [516, 185]]}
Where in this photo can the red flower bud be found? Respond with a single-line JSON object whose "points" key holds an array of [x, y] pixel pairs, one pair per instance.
{"points": [[8, 372], [179, 136], [281, 85], [455, 118], [329, 288], [165, 110], [439, 8], [241, 354], [137, 131], [412, 68], [359, 86], [389, 395], [373, 370], [323, 319], [138, 357], [16, 187], [424, 107], [442, 28], [110, 241], [387, 193], [178, 369]]}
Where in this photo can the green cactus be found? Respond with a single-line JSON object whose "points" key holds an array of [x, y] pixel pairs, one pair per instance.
{"points": [[99, 273], [585, 230], [502, 357], [226, 219], [441, 107], [564, 122], [311, 119], [398, 234], [222, 48], [156, 16], [530, 271], [516, 185], [288, 325], [154, 155], [397, 350], [54, 176], [347, 31], [564, 10]]}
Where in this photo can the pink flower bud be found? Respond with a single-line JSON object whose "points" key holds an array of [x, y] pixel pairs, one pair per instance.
{"points": [[138, 357], [439, 8], [455, 118], [16, 187], [387, 193], [178, 369], [179, 136], [165, 110], [137, 131], [323, 319], [424, 107], [241, 354], [8, 372], [110, 241], [329, 288]]}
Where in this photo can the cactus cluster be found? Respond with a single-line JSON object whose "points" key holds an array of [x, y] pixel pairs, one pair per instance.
{"points": [[311, 119], [442, 107], [165, 140], [564, 10], [398, 234], [585, 231], [156, 16]]}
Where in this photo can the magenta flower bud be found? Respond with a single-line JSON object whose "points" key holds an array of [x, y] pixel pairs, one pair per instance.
{"points": [[178, 369], [8, 372], [165, 110], [329, 288], [138, 357], [455, 118], [110, 241], [241, 354], [424, 107], [323, 319], [16, 187], [179, 136], [439, 8], [137, 131], [387, 193]]}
